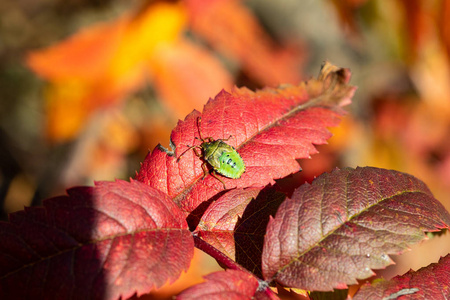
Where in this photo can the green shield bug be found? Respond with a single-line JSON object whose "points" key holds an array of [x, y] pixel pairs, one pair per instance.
{"points": [[222, 157]]}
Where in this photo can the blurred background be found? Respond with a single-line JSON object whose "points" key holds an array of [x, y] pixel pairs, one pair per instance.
{"points": [[87, 88]]}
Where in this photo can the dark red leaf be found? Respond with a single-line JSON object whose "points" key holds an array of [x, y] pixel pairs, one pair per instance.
{"points": [[432, 282], [344, 224], [111, 240], [228, 285], [219, 221], [236, 224], [269, 128]]}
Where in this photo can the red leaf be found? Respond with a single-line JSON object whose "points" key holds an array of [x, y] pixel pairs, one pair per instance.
{"points": [[107, 241], [344, 224], [218, 223], [228, 285], [236, 224], [432, 282], [269, 128]]}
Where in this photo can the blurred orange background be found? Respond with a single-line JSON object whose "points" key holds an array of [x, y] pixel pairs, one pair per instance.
{"points": [[88, 87]]}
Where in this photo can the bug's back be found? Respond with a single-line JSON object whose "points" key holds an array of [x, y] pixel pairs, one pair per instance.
{"points": [[223, 158], [231, 164]]}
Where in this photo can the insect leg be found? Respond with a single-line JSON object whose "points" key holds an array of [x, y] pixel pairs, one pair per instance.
{"points": [[205, 170], [213, 173], [189, 148], [196, 153]]}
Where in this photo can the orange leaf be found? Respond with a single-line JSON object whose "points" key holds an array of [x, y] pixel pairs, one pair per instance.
{"points": [[231, 29], [101, 65], [84, 55], [346, 10], [186, 75]]}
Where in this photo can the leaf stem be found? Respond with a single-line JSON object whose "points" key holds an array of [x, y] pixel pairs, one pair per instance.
{"points": [[221, 258]]}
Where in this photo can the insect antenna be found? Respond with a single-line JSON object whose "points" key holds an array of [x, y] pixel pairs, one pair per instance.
{"points": [[195, 146], [206, 139], [184, 152], [199, 119]]}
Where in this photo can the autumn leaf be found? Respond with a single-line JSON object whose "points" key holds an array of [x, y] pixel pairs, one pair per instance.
{"points": [[431, 282], [88, 71], [229, 284], [187, 74], [345, 224], [217, 225], [231, 29], [346, 11], [415, 15], [111, 240], [83, 55], [269, 128], [443, 28], [236, 224]]}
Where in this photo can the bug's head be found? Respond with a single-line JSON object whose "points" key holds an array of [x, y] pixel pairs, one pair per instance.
{"points": [[205, 143]]}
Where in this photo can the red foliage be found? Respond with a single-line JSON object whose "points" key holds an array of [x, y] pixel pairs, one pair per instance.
{"points": [[114, 239], [218, 223], [122, 238], [229, 284], [345, 224], [269, 129], [431, 282], [236, 224]]}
